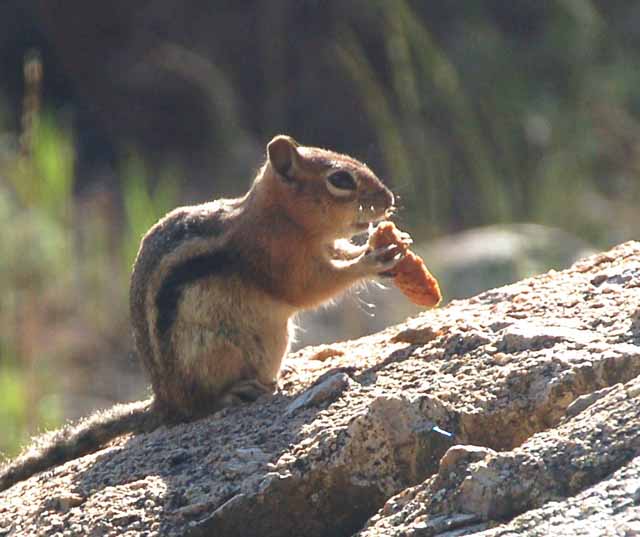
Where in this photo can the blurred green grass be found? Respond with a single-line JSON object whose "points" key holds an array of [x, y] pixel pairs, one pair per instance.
{"points": [[60, 263], [487, 130]]}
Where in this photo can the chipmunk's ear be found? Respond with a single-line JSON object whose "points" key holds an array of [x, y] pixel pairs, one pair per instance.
{"points": [[283, 155]]}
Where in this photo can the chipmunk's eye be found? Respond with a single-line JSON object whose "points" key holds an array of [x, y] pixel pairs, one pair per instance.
{"points": [[341, 184]]}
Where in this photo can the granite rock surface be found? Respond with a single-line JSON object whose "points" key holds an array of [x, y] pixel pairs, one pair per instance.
{"points": [[515, 412]]}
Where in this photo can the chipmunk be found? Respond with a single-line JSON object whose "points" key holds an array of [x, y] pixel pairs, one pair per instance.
{"points": [[215, 287]]}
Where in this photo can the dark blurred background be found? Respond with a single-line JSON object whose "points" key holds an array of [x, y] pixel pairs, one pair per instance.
{"points": [[510, 131]]}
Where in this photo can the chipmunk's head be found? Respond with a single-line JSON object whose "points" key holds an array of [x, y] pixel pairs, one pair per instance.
{"points": [[327, 193]]}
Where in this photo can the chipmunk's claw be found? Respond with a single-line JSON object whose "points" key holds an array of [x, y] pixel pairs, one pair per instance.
{"points": [[383, 259]]}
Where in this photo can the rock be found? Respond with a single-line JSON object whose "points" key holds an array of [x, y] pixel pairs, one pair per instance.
{"points": [[462, 454], [326, 351], [479, 258], [552, 468], [585, 401], [328, 389], [536, 382], [64, 502]]}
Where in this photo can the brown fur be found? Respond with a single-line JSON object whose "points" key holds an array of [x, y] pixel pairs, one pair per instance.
{"points": [[214, 288], [78, 439], [273, 248]]}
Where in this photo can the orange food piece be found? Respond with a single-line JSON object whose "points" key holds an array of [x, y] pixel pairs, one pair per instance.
{"points": [[410, 274]]}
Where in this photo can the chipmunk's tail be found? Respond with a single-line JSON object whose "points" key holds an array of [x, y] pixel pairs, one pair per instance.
{"points": [[75, 440]]}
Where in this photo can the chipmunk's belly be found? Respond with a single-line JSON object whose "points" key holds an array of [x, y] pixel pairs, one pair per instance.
{"points": [[230, 331]]}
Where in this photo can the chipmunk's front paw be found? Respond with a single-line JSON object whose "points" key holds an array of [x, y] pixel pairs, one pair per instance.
{"points": [[381, 260], [405, 239]]}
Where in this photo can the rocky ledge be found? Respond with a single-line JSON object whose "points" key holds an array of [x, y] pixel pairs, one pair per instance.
{"points": [[516, 412]]}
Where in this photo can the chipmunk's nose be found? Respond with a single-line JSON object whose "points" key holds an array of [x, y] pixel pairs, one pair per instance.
{"points": [[380, 201], [391, 201], [384, 198]]}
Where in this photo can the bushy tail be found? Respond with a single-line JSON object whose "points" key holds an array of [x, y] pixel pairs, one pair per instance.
{"points": [[75, 440]]}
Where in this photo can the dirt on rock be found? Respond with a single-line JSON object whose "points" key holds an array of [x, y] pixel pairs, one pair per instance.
{"points": [[516, 412]]}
